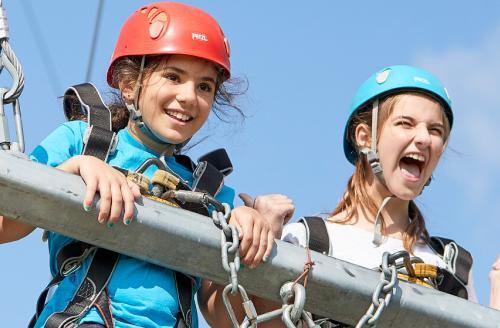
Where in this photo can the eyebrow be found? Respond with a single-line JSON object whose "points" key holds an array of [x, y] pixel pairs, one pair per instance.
{"points": [[181, 71], [436, 124]]}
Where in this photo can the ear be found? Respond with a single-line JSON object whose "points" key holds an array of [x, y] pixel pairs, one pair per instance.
{"points": [[127, 90], [362, 135], [445, 145]]}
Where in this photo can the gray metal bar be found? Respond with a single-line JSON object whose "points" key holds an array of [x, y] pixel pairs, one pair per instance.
{"points": [[167, 236]]}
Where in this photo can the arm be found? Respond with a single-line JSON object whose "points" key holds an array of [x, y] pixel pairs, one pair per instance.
{"points": [[495, 285], [12, 230], [117, 194]]}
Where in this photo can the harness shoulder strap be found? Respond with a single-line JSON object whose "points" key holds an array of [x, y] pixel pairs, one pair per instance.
{"points": [[99, 138], [458, 263], [457, 258], [184, 287], [317, 237], [91, 289], [91, 292], [209, 173]]}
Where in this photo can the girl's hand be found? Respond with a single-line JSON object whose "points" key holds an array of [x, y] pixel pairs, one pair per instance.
{"points": [[256, 236], [277, 209], [495, 285], [117, 193]]}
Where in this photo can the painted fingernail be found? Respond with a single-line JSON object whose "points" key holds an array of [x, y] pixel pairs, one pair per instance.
{"points": [[87, 208], [110, 225], [265, 258], [127, 221]]}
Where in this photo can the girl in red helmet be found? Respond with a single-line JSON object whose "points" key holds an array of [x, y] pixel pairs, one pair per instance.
{"points": [[170, 66]]}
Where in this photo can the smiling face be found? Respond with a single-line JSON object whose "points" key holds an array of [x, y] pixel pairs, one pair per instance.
{"points": [[177, 97], [412, 136]]}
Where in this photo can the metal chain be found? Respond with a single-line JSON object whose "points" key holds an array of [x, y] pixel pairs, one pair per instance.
{"points": [[290, 314], [383, 291]]}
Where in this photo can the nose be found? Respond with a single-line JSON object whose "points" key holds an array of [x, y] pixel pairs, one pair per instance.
{"points": [[186, 93], [422, 135]]}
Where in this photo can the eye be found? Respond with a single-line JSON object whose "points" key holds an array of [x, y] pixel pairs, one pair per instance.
{"points": [[172, 77], [437, 131], [404, 123], [205, 87]]}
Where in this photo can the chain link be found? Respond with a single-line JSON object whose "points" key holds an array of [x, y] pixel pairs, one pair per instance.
{"points": [[291, 314], [383, 291]]}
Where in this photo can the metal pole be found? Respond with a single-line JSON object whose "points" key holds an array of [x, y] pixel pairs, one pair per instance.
{"points": [[188, 242]]}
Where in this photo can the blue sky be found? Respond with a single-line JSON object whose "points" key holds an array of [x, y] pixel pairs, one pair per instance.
{"points": [[303, 64]]}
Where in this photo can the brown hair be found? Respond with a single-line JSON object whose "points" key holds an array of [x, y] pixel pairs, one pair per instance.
{"points": [[127, 70], [356, 195]]}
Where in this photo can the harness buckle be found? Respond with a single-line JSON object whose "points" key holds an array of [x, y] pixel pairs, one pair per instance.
{"points": [[450, 256], [73, 263]]}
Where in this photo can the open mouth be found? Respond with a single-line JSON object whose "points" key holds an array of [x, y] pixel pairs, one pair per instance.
{"points": [[181, 117], [412, 165]]}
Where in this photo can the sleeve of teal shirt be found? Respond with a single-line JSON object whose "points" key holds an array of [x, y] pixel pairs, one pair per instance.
{"points": [[64, 142]]}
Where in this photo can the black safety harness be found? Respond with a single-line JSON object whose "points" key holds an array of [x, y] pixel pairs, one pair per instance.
{"points": [[100, 141], [452, 279]]}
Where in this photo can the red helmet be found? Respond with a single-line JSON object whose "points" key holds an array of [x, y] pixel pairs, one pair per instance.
{"points": [[172, 28]]}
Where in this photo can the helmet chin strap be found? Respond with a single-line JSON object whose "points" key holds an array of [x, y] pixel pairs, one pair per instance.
{"points": [[136, 116], [371, 153], [374, 161]]}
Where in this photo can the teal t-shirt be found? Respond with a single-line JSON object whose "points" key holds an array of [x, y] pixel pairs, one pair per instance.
{"points": [[141, 294]]}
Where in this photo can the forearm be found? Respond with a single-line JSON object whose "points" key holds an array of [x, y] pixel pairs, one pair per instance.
{"points": [[12, 230], [212, 305], [215, 313]]}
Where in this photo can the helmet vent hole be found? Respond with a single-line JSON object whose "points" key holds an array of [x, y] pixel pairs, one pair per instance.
{"points": [[152, 12], [155, 29]]}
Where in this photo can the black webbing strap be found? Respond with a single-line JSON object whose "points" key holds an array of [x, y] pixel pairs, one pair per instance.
{"points": [[99, 137], [43, 297], [93, 285], [220, 159], [207, 178], [319, 240], [453, 282], [184, 287]]}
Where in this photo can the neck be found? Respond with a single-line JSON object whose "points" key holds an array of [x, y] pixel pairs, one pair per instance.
{"points": [[395, 212], [137, 134]]}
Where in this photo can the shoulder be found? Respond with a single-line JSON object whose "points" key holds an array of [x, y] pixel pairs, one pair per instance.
{"points": [[295, 233], [65, 141]]}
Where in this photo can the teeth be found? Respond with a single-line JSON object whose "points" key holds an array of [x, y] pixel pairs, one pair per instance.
{"points": [[416, 157], [180, 116]]}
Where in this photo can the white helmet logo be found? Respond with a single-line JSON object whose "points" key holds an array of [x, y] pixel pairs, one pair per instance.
{"points": [[421, 80], [382, 76], [199, 37]]}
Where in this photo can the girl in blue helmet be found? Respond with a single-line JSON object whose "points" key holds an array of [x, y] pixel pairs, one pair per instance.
{"points": [[397, 130]]}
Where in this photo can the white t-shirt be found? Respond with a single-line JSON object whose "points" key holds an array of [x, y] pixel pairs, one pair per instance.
{"points": [[352, 244]]}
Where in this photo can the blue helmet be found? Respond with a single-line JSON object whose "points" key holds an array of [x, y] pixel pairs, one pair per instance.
{"points": [[390, 80]]}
